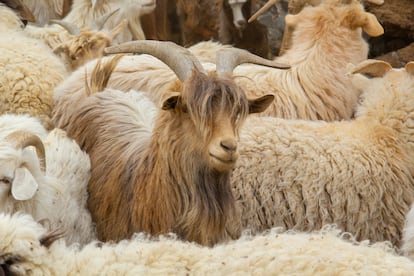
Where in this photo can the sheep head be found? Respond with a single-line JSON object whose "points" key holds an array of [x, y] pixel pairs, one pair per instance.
{"points": [[208, 110], [18, 165], [86, 44]]}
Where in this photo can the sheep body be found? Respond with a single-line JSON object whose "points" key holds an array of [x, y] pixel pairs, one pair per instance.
{"points": [[61, 196], [9, 19], [357, 174], [29, 72], [328, 252]]}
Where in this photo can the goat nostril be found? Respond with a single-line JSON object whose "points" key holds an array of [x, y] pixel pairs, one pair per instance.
{"points": [[229, 145], [241, 22]]}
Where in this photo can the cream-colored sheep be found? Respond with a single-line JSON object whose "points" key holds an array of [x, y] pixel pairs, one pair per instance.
{"points": [[29, 71], [27, 249], [358, 174]]}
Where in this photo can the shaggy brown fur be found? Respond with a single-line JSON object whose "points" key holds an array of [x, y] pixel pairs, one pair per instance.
{"points": [[199, 20], [164, 181]]}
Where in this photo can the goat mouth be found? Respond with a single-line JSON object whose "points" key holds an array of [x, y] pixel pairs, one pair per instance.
{"points": [[230, 161]]}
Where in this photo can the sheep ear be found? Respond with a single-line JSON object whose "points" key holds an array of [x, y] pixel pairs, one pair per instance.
{"points": [[371, 26], [409, 67], [24, 185], [372, 68], [171, 101], [260, 104], [291, 20]]}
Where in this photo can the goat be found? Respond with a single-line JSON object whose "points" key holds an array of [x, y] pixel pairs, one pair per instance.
{"points": [[174, 177]]}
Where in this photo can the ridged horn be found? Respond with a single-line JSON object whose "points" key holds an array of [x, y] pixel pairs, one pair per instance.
{"points": [[22, 139], [262, 10], [100, 22], [71, 28], [178, 58], [228, 59]]}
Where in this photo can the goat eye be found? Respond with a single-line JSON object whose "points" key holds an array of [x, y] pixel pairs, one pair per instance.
{"points": [[184, 109]]}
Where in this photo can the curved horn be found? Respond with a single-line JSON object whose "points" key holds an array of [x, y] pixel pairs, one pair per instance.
{"points": [[263, 9], [22, 139], [71, 28], [100, 22], [228, 59], [178, 58]]}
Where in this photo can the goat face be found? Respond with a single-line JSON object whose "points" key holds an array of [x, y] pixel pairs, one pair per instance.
{"points": [[238, 18], [212, 109]]}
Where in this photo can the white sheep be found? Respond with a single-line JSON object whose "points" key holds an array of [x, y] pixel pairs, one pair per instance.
{"points": [[56, 194], [357, 174], [26, 248], [29, 71], [316, 87]]}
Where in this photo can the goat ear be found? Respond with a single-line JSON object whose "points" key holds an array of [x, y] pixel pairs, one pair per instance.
{"points": [[171, 101], [260, 104], [409, 67], [24, 185], [118, 29], [372, 68], [370, 25]]}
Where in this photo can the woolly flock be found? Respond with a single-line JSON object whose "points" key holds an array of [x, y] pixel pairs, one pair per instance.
{"points": [[121, 155]]}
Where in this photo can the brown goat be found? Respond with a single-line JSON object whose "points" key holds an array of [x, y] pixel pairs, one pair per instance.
{"points": [[252, 37], [174, 178]]}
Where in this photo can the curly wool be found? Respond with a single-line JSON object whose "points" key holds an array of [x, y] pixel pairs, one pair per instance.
{"points": [[61, 196], [357, 174], [29, 72], [328, 252]]}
